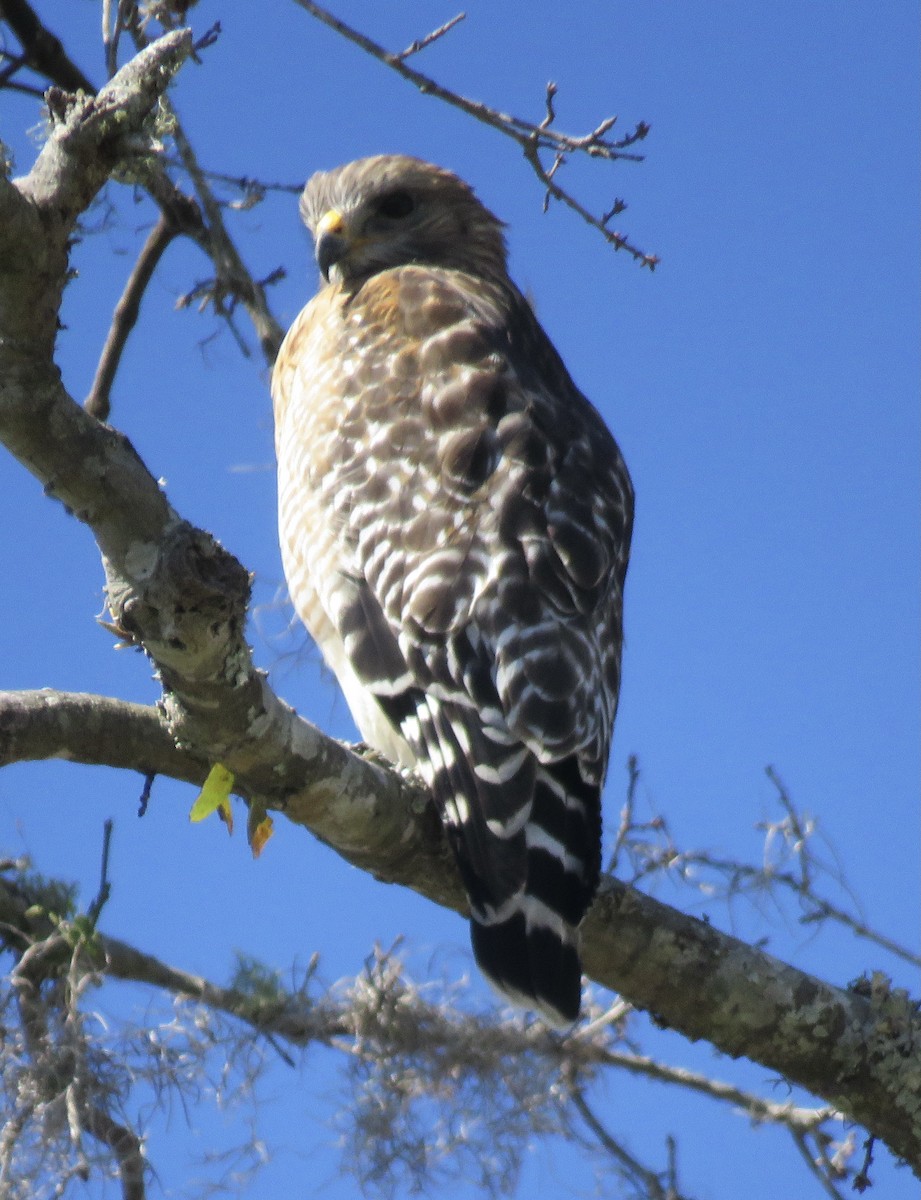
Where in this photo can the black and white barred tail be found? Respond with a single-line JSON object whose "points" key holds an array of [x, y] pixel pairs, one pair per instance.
{"points": [[526, 836]]}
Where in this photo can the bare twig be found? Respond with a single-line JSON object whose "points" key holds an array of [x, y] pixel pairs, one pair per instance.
{"points": [[512, 126], [818, 907], [616, 239], [862, 1180], [112, 29], [798, 830], [101, 898], [729, 878], [550, 113], [43, 52], [651, 1181], [110, 32], [421, 43], [533, 139], [796, 1118], [234, 277], [244, 182], [627, 825], [144, 799], [208, 38], [124, 318], [801, 1142]]}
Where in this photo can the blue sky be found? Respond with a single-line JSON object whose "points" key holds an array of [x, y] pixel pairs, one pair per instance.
{"points": [[762, 384]]}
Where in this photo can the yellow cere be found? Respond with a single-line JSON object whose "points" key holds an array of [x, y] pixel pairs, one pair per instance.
{"points": [[331, 222]]}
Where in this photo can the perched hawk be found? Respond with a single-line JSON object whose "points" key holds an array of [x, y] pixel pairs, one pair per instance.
{"points": [[455, 521]]}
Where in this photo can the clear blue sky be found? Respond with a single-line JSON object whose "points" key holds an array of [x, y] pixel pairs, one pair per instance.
{"points": [[763, 384]]}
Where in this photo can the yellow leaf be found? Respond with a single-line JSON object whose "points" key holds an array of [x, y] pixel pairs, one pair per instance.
{"points": [[215, 796], [258, 827], [260, 835]]}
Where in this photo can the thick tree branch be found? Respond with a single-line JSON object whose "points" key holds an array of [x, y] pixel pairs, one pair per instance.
{"points": [[92, 135], [860, 1052], [854, 1050], [175, 591], [125, 1145], [94, 730]]}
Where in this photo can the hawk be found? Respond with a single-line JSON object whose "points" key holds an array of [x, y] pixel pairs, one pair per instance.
{"points": [[455, 521]]}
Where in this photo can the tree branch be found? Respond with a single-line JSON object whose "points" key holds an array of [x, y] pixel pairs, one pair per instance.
{"points": [[859, 1052], [91, 135], [425, 42], [802, 1120], [125, 1145], [386, 1009], [698, 980], [656, 1185], [94, 730], [532, 138], [42, 51], [233, 279], [179, 214], [789, 864], [124, 318]]}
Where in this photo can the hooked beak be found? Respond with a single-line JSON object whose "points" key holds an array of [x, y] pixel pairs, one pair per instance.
{"points": [[332, 242]]}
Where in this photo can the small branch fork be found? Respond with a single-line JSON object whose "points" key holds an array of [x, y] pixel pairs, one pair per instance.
{"points": [[534, 140], [234, 282], [656, 1185], [650, 850]]}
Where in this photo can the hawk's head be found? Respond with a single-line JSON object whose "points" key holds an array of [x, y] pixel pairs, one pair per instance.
{"points": [[391, 210]]}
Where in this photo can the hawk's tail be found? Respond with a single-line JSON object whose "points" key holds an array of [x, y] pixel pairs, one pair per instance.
{"points": [[526, 836], [528, 947]]}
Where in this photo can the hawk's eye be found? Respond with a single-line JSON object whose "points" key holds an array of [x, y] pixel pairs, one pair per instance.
{"points": [[395, 205]]}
